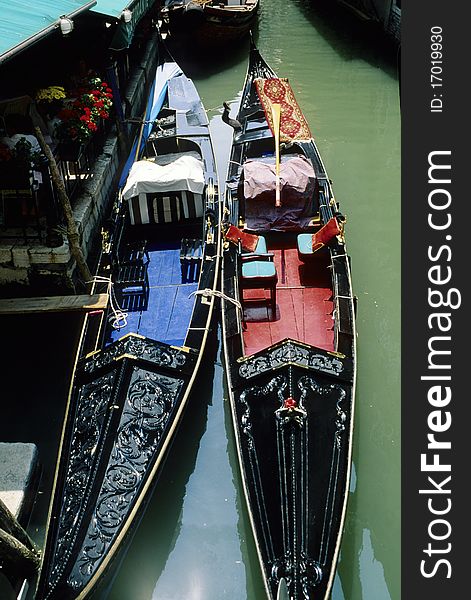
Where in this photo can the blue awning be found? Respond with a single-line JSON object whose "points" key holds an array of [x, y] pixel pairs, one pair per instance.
{"points": [[23, 22], [114, 9], [155, 102], [111, 8]]}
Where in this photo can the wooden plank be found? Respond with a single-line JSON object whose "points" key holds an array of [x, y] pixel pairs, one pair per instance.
{"points": [[11, 306]]}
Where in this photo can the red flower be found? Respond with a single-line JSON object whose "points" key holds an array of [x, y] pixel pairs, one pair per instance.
{"points": [[108, 90], [92, 126]]}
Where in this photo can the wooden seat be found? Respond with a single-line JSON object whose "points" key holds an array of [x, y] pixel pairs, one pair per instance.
{"points": [[310, 245], [131, 277], [258, 271], [191, 252], [260, 248]]}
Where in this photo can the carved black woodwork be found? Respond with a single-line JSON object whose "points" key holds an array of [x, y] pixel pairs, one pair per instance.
{"points": [[124, 401], [291, 352], [293, 436]]}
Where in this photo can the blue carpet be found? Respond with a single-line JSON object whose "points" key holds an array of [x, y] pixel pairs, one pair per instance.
{"points": [[168, 313]]}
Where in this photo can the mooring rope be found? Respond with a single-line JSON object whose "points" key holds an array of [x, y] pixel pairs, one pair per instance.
{"points": [[207, 293], [118, 317]]}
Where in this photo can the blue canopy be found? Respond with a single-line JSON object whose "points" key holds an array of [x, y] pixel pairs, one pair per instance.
{"points": [[23, 22], [156, 99]]}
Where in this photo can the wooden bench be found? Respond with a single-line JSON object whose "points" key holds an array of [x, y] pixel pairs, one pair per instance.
{"points": [[191, 253], [258, 271], [131, 276]]}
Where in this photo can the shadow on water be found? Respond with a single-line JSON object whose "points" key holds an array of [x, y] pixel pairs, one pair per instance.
{"points": [[37, 357], [200, 64], [38, 354], [350, 37], [154, 540]]}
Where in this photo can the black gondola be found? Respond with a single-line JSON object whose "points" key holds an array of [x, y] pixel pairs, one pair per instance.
{"points": [[210, 23], [138, 360], [289, 339]]}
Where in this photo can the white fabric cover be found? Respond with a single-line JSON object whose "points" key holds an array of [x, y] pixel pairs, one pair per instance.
{"points": [[184, 173]]}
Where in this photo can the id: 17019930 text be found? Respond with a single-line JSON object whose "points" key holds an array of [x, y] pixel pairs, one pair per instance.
{"points": [[436, 68]]}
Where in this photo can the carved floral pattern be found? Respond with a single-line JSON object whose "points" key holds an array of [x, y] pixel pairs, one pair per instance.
{"points": [[146, 349], [278, 385], [90, 418], [289, 352], [307, 383], [302, 573], [148, 406]]}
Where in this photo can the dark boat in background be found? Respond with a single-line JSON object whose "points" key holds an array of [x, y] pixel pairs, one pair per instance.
{"points": [[289, 339], [136, 367], [208, 23]]}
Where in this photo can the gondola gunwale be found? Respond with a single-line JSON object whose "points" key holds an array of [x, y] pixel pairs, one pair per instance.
{"points": [[235, 386], [218, 24], [141, 498]]}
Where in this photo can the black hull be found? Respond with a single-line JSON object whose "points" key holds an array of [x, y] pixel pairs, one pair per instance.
{"points": [[126, 403], [128, 393], [295, 465], [295, 462], [210, 26]]}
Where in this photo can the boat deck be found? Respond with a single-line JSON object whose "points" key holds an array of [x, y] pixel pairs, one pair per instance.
{"points": [[303, 304], [167, 315]]}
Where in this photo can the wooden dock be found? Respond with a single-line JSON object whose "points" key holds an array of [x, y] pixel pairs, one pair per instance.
{"points": [[11, 306]]}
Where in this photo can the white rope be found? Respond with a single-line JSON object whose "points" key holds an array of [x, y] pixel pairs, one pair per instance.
{"points": [[207, 293], [118, 317]]}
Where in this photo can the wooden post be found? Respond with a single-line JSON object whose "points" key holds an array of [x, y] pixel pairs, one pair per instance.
{"points": [[72, 233], [19, 556]]}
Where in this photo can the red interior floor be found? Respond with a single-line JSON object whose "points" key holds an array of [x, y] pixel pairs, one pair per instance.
{"points": [[303, 305]]}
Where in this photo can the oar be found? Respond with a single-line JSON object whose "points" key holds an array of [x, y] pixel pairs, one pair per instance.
{"points": [[276, 114]]}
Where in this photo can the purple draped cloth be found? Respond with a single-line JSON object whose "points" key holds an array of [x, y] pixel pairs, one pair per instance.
{"points": [[297, 184]]}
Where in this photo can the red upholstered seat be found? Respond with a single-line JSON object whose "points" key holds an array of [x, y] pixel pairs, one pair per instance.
{"points": [[248, 241], [309, 244]]}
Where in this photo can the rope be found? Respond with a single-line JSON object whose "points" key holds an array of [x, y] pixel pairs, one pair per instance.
{"points": [[118, 317], [208, 293], [218, 107]]}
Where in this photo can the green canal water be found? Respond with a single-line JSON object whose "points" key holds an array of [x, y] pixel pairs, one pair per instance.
{"points": [[194, 542]]}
